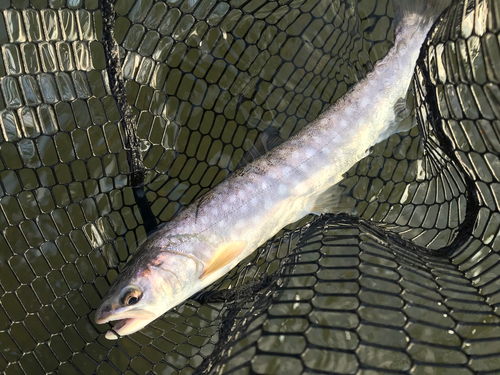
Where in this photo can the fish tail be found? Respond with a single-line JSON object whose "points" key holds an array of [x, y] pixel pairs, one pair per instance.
{"points": [[426, 11]]}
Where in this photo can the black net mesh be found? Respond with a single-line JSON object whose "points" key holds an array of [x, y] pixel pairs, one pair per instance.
{"points": [[115, 116]]}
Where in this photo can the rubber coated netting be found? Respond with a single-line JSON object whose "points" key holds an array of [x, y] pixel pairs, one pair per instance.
{"points": [[116, 115]]}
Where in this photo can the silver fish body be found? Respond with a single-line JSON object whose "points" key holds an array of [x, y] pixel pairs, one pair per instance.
{"points": [[257, 201]]}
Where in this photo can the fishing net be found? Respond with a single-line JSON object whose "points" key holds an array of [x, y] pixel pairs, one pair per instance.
{"points": [[114, 116]]}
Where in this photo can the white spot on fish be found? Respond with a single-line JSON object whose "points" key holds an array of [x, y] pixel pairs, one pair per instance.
{"points": [[240, 224], [310, 153], [282, 190]]}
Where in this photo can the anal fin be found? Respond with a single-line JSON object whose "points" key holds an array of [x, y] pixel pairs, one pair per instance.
{"points": [[326, 201]]}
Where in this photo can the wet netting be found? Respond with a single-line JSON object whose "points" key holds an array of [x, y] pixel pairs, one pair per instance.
{"points": [[113, 116]]}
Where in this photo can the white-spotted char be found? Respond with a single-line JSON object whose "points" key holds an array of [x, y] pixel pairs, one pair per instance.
{"points": [[224, 226]]}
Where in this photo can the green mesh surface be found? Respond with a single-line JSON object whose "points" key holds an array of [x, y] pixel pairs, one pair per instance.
{"points": [[115, 116]]}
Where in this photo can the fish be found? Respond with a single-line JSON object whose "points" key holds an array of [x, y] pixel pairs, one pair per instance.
{"points": [[218, 230]]}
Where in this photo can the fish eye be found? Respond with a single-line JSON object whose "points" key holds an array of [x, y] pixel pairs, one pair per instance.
{"points": [[132, 300], [131, 297]]}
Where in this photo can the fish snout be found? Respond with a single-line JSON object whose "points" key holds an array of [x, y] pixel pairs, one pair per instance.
{"points": [[102, 314]]}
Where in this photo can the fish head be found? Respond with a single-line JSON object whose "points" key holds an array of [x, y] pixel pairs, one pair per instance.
{"points": [[142, 292], [162, 274]]}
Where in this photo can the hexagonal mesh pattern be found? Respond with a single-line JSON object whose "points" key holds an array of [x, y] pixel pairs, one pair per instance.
{"points": [[113, 116]]}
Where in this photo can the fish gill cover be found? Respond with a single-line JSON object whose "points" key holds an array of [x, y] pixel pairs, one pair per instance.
{"points": [[116, 115]]}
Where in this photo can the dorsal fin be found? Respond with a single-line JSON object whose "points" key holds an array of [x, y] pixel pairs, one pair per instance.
{"points": [[269, 139]]}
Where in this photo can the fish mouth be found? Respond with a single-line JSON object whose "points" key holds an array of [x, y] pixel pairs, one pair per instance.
{"points": [[125, 326]]}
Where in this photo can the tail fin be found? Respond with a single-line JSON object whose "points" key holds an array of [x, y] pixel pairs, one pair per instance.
{"points": [[426, 10]]}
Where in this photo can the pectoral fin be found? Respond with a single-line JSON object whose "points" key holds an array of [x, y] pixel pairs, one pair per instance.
{"points": [[224, 255]]}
